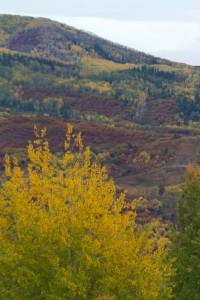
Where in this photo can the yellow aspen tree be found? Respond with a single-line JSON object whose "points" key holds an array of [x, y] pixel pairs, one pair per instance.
{"points": [[65, 234]]}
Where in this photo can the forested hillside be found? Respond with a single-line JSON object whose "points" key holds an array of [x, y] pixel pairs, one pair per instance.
{"points": [[140, 114], [51, 39], [76, 111]]}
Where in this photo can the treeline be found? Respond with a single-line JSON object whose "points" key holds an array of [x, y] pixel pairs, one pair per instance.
{"points": [[51, 106], [147, 73], [154, 82], [38, 64], [152, 73], [188, 108]]}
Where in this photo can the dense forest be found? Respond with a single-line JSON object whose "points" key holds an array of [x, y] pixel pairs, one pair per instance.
{"points": [[68, 230]]}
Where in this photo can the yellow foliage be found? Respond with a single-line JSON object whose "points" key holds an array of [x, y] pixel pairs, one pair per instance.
{"points": [[4, 50], [94, 65], [101, 87], [64, 234], [77, 48], [144, 156], [174, 188]]}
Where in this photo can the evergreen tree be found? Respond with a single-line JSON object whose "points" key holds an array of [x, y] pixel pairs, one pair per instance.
{"points": [[186, 244]]}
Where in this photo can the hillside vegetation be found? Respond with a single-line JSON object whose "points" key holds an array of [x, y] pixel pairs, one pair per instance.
{"points": [[139, 113], [51, 39], [67, 229]]}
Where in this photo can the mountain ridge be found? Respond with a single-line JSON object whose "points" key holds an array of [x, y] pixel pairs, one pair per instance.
{"points": [[23, 37]]}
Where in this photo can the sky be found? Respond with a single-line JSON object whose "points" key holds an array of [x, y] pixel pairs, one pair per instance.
{"points": [[165, 28]]}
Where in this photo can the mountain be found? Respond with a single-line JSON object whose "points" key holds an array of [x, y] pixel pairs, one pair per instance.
{"points": [[140, 114], [51, 39]]}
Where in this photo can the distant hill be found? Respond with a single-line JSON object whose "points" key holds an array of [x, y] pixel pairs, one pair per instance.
{"points": [[65, 43], [140, 114], [43, 59]]}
